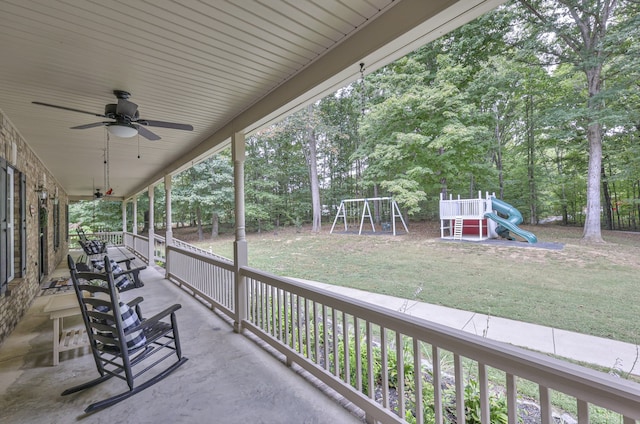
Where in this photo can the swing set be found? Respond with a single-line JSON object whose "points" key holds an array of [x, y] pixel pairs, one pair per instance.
{"points": [[353, 211]]}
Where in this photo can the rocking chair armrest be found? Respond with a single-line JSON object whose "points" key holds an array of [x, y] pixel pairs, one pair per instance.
{"points": [[134, 271], [135, 302], [127, 262], [155, 319]]}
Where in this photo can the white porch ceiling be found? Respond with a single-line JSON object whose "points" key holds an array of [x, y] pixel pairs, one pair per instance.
{"points": [[221, 66]]}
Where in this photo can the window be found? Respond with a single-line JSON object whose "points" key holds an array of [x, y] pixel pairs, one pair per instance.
{"points": [[56, 224], [12, 224]]}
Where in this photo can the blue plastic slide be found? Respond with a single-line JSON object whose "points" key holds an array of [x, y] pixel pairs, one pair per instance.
{"points": [[514, 217]]}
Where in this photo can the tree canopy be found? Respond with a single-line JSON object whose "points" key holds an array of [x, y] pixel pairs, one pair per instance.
{"points": [[537, 101]]}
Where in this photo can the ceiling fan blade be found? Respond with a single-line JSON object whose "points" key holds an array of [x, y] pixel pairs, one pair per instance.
{"points": [[69, 108], [163, 124], [146, 133], [126, 108], [85, 126]]}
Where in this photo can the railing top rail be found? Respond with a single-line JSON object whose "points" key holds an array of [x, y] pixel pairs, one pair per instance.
{"points": [[221, 262], [137, 236], [598, 388]]}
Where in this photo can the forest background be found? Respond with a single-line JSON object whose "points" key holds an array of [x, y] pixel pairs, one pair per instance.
{"points": [[536, 101]]}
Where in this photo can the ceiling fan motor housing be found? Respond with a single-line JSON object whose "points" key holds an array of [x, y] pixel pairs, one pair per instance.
{"points": [[110, 110]]}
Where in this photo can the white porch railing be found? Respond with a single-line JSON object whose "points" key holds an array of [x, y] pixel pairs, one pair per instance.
{"points": [[391, 365], [112, 238], [210, 278], [139, 245]]}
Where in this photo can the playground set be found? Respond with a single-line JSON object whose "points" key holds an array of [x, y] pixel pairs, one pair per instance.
{"points": [[354, 211], [480, 219]]}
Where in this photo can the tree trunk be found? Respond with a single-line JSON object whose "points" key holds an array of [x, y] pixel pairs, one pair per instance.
{"points": [[145, 229], [563, 204], [607, 200], [215, 225], [531, 162], [497, 157], [592, 231], [199, 223], [376, 206], [312, 162]]}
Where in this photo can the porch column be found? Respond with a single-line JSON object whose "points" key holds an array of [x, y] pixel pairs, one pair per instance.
{"points": [[168, 237], [135, 215], [124, 216], [152, 234], [167, 191], [240, 255]]}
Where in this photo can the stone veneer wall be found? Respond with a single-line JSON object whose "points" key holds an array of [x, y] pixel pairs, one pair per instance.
{"points": [[15, 302]]}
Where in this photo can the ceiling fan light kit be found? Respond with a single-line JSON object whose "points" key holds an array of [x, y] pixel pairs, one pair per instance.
{"points": [[123, 131]]}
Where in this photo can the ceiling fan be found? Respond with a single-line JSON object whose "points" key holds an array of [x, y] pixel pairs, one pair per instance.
{"points": [[98, 194], [126, 119]]}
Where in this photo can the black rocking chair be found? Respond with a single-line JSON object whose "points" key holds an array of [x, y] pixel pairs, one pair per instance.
{"points": [[121, 341], [91, 247]]}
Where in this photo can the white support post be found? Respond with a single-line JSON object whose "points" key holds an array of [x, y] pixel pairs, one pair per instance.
{"points": [[169, 219], [124, 216], [152, 233], [240, 253], [168, 237], [135, 216]]}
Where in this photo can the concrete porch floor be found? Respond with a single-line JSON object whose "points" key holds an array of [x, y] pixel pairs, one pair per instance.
{"points": [[227, 379]]}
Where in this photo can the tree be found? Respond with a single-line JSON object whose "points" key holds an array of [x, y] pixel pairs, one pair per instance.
{"points": [[579, 29], [205, 190]]}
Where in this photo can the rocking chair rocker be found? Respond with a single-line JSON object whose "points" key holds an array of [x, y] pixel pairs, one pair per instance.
{"points": [[120, 341]]}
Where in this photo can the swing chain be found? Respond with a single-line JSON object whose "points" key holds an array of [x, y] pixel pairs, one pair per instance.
{"points": [[362, 89]]}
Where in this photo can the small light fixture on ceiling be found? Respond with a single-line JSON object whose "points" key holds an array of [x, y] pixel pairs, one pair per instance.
{"points": [[123, 131]]}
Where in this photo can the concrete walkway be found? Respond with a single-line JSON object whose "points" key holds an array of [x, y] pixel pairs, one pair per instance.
{"points": [[579, 347]]}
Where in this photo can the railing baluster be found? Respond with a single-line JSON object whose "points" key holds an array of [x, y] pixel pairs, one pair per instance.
{"points": [[583, 411], [358, 352], [483, 382], [286, 318], [325, 339], [459, 376], [384, 359], [316, 336], [300, 317], [273, 308], [370, 376], [335, 343], [512, 399], [437, 383], [400, 371], [345, 349], [417, 381], [545, 405]]}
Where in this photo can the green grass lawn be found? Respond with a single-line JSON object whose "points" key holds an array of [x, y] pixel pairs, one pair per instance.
{"points": [[592, 289]]}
